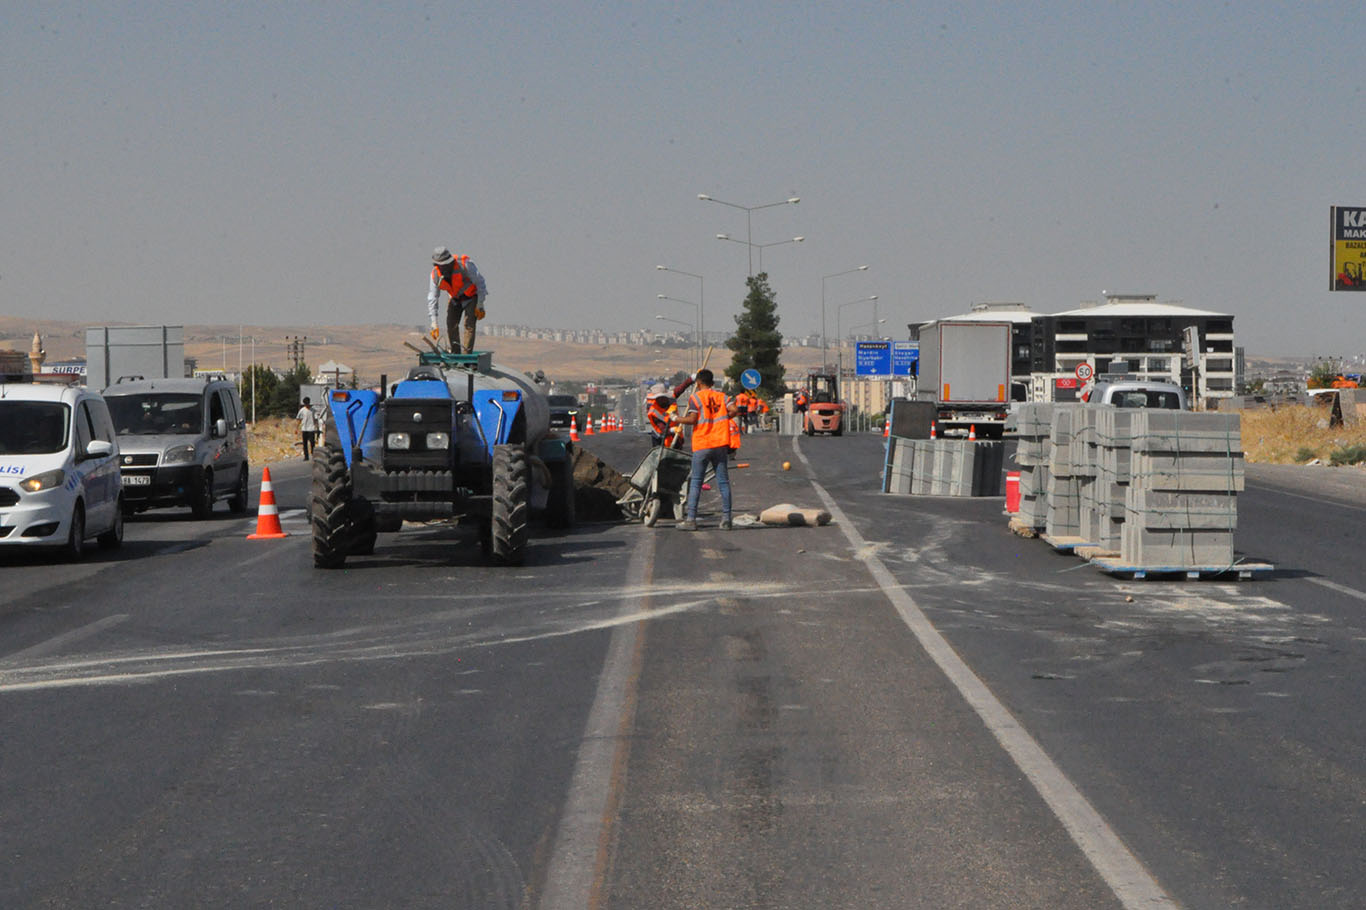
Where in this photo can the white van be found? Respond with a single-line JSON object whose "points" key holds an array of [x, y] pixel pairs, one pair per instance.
{"points": [[59, 468]]}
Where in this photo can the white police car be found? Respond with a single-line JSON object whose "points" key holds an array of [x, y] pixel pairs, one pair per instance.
{"points": [[59, 468]]}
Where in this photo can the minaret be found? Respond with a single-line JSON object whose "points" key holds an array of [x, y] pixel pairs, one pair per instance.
{"points": [[36, 354]]}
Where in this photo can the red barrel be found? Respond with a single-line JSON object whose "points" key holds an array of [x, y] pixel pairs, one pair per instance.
{"points": [[1012, 491]]}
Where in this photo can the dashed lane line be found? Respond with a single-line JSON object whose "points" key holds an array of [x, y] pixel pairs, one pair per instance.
{"points": [[1130, 881], [1334, 586]]}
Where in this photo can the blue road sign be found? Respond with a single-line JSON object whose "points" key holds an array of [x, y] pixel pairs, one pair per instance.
{"points": [[873, 358], [905, 358], [750, 379]]}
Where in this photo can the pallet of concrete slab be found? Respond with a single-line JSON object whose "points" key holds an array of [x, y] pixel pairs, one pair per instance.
{"points": [[943, 467], [1113, 565], [1032, 422], [1065, 475], [1066, 543]]}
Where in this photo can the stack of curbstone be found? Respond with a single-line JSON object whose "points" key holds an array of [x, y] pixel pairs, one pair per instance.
{"points": [[1181, 505], [1032, 422], [944, 467], [1114, 437], [1085, 458], [1064, 484]]}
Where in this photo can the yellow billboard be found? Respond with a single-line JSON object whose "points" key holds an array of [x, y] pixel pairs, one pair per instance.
{"points": [[1349, 249]]}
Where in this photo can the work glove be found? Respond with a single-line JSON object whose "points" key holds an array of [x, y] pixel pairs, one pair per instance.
{"points": [[479, 313], [435, 333]]}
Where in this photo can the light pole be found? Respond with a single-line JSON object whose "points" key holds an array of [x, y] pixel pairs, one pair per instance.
{"points": [[861, 268], [701, 300], [685, 325], [838, 312], [760, 246], [749, 211], [696, 322]]}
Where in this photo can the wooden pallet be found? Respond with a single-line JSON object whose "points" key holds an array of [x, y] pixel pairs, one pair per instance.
{"points": [[1020, 529], [1065, 544], [1244, 570]]}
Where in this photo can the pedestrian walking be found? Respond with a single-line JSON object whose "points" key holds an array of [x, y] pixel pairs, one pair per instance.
{"points": [[466, 288], [308, 427], [709, 414]]}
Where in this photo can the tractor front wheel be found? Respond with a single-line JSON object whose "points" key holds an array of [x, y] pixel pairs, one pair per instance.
{"points": [[511, 488], [330, 509]]}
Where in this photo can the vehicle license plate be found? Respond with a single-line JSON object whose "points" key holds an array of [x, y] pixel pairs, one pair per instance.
{"points": [[137, 480]]}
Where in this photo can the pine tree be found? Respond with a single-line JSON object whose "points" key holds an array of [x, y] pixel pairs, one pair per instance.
{"points": [[757, 344]]}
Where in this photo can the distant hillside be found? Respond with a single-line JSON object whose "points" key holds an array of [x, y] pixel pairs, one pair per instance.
{"points": [[375, 349]]}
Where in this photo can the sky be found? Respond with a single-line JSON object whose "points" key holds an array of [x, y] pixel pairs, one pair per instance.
{"points": [[295, 164]]}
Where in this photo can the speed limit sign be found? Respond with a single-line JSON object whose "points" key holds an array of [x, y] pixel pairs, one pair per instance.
{"points": [[1084, 371]]}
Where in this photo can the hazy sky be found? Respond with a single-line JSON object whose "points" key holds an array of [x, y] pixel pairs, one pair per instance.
{"points": [[296, 163]]}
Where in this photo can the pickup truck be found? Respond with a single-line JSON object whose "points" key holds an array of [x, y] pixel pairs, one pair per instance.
{"points": [[1135, 393]]}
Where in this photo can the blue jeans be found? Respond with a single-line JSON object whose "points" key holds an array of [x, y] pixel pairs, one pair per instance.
{"points": [[717, 459]]}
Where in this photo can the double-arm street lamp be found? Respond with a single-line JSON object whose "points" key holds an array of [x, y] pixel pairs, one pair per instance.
{"points": [[861, 268], [701, 300], [690, 327], [749, 211], [839, 311], [760, 246], [696, 319]]}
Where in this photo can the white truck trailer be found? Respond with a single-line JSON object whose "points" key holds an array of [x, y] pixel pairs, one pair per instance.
{"points": [[965, 371]]}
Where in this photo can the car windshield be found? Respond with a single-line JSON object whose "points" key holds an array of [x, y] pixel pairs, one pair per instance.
{"points": [[33, 427], [1148, 398], [563, 401], [156, 413]]}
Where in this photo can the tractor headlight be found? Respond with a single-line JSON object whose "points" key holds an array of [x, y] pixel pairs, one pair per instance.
{"points": [[397, 441], [178, 455], [44, 481], [438, 440]]}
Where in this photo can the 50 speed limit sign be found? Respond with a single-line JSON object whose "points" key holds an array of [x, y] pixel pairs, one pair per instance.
{"points": [[1084, 371]]}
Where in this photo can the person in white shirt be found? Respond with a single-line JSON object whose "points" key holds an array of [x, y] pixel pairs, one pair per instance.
{"points": [[308, 427], [458, 277]]}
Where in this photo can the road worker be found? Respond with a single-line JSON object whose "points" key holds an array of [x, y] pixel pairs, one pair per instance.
{"points": [[742, 406], [708, 413], [657, 413], [733, 428], [800, 401], [458, 277]]}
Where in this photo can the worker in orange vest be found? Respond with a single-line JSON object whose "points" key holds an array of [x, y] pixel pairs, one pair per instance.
{"points": [[709, 412], [733, 427], [458, 277], [743, 404], [657, 414]]}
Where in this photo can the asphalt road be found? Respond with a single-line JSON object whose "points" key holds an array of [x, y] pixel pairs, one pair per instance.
{"points": [[637, 717]]}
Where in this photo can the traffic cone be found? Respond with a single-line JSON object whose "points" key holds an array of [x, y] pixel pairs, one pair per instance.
{"points": [[573, 430], [267, 514], [887, 428], [588, 426], [972, 432], [932, 431]]}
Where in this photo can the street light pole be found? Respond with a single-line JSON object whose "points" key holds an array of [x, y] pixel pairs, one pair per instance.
{"points": [[749, 211], [692, 361], [701, 305], [760, 246], [861, 268]]}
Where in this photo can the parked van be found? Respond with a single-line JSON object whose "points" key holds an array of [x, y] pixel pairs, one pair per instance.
{"points": [[183, 442], [59, 470]]}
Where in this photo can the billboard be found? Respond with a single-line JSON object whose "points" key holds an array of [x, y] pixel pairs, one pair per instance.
{"points": [[1349, 249]]}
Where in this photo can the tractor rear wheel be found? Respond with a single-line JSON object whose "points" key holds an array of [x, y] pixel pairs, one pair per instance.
{"points": [[511, 488], [330, 510]]}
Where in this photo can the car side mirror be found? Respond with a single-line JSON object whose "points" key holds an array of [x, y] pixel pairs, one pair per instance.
{"points": [[98, 448], [220, 428]]}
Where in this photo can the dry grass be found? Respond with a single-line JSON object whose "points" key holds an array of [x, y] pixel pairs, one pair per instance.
{"points": [[1295, 434], [273, 439]]}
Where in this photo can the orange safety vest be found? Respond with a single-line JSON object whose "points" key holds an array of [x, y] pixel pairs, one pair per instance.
{"points": [[657, 417], [710, 431], [457, 284], [734, 428]]}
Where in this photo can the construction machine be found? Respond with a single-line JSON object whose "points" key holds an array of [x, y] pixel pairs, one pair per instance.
{"points": [[824, 410]]}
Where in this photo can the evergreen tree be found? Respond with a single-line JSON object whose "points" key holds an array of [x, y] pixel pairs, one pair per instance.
{"points": [[757, 344]]}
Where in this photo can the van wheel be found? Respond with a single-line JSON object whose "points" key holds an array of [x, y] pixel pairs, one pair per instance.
{"points": [[202, 505], [113, 538], [75, 538], [238, 502]]}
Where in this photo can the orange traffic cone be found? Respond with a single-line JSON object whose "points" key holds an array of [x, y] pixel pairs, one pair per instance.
{"points": [[932, 430], [588, 426], [573, 430], [972, 432], [267, 514], [887, 428]]}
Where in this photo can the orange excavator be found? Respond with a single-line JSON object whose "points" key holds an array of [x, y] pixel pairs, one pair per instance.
{"points": [[824, 410]]}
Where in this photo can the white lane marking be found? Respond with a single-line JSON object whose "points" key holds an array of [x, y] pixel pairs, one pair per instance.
{"points": [[59, 641], [1341, 589], [578, 854], [1130, 881]]}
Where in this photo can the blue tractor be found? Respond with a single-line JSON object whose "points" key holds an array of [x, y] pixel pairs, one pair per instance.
{"points": [[459, 437]]}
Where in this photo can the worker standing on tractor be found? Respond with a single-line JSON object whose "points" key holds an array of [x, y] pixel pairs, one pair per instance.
{"points": [[458, 277], [709, 412]]}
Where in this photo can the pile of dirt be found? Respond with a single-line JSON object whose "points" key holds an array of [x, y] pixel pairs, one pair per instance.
{"points": [[597, 487]]}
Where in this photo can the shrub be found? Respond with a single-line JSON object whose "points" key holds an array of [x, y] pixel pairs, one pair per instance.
{"points": [[1305, 454]]}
